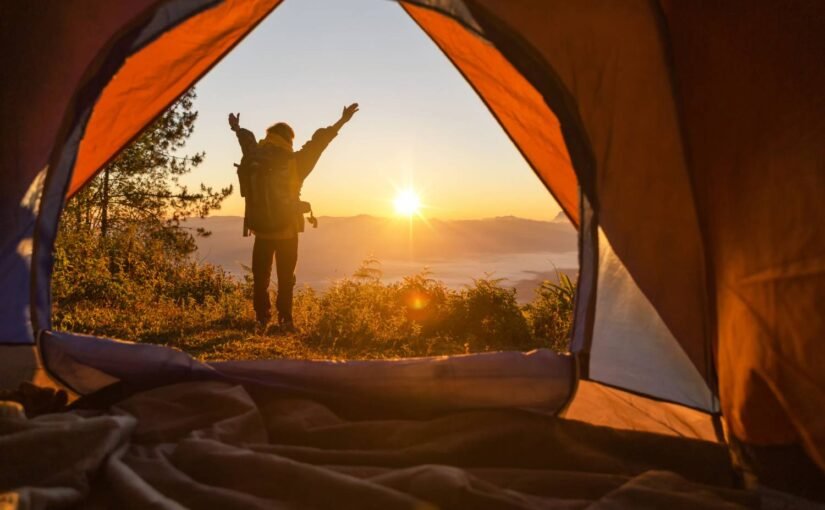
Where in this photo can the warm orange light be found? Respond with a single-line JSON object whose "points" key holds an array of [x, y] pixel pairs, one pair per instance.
{"points": [[417, 300], [407, 203]]}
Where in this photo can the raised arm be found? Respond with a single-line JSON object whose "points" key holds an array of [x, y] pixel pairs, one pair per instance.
{"points": [[346, 115], [245, 137], [308, 156]]}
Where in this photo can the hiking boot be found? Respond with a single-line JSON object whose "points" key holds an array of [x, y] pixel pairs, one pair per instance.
{"points": [[272, 330], [261, 327], [288, 327]]}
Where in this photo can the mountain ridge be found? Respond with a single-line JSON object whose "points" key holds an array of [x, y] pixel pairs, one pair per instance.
{"points": [[523, 251]]}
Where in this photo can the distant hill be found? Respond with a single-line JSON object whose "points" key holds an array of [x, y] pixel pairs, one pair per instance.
{"points": [[561, 218], [522, 251]]}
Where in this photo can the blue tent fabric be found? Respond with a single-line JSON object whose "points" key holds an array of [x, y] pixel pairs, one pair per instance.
{"points": [[538, 380], [15, 310]]}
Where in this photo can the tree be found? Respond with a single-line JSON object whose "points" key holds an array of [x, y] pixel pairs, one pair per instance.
{"points": [[141, 186]]}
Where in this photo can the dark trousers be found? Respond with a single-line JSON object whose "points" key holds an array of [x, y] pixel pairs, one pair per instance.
{"points": [[285, 252]]}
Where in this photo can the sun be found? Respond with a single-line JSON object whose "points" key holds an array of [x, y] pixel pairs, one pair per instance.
{"points": [[407, 203]]}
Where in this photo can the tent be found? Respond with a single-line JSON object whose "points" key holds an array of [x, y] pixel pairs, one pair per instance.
{"points": [[686, 140]]}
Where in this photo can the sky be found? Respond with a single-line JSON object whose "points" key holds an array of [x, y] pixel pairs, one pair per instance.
{"points": [[420, 125]]}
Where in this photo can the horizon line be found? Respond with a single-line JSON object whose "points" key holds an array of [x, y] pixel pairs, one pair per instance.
{"points": [[560, 217]]}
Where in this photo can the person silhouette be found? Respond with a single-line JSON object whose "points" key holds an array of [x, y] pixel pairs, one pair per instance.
{"points": [[271, 183]]}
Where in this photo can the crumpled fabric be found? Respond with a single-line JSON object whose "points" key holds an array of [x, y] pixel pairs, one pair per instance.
{"points": [[212, 445]]}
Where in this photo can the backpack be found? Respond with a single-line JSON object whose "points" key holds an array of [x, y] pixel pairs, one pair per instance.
{"points": [[265, 184]]}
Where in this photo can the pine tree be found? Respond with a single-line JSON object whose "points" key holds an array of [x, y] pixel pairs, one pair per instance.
{"points": [[141, 187]]}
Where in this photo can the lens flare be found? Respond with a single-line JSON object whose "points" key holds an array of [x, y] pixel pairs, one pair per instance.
{"points": [[407, 203]]}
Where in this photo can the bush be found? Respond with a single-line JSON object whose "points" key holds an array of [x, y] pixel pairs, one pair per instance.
{"points": [[129, 285], [488, 317], [363, 317], [360, 317], [550, 315]]}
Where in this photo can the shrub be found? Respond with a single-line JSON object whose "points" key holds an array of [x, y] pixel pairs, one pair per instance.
{"points": [[362, 317], [128, 285], [487, 315], [550, 314]]}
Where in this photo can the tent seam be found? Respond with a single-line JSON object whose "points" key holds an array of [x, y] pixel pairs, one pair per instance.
{"points": [[706, 267]]}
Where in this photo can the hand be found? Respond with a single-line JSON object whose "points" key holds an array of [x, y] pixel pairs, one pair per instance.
{"points": [[348, 112], [234, 121]]}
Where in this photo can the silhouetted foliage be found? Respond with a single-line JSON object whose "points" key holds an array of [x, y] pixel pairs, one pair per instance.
{"points": [[141, 187], [120, 246], [177, 302], [550, 314]]}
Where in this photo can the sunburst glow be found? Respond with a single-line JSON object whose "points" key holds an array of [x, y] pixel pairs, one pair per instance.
{"points": [[407, 203]]}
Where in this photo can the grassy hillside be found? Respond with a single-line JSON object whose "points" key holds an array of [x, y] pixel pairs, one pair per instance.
{"points": [[131, 289]]}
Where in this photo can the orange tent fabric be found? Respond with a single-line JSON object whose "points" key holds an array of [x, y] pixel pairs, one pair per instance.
{"points": [[42, 80], [153, 79], [610, 61], [707, 124], [751, 79], [520, 110]]}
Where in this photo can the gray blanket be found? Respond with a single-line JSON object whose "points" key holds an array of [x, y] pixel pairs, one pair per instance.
{"points": [[216, 445]]}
